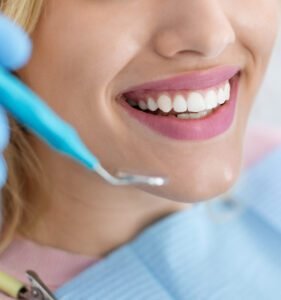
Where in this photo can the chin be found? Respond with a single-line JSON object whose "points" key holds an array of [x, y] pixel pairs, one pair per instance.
{"points": [[199, 187]]}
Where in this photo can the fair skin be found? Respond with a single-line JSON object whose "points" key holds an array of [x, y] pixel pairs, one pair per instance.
{"points": [[85, 53]]}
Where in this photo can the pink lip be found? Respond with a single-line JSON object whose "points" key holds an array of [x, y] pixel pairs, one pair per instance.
{"points": [[192, 129], [192, 81]]}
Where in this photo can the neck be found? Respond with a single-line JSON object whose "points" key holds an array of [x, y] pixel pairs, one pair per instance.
{"points": [[96, 226]]}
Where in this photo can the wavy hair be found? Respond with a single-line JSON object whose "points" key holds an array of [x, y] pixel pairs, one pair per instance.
{"points": [[23, 165]]}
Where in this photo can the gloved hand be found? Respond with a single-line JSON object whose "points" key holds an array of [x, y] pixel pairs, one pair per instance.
{"points": [[15, 50]]}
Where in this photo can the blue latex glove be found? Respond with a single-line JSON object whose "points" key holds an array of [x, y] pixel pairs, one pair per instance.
{"points": [[15, 50]]}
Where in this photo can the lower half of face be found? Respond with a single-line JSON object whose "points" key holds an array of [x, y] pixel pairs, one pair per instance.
{"points": [[87, 54]]}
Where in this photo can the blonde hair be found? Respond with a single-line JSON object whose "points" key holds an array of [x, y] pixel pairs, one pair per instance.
{"points": [[23, 165]]}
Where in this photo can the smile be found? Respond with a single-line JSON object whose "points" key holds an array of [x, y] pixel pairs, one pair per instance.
{"points": [[182, 104], [186, 114]]}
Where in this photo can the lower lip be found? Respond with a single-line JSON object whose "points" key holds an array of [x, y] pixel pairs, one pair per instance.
{"points": [[192, 129]]}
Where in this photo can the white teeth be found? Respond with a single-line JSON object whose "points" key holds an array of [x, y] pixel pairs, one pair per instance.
{"points": [[142, 105], [221, 96], [187, 116], [186, 101], [227, 90], [180, 104], [164, 103], [211, 100], [151, 104], [195, 102]]}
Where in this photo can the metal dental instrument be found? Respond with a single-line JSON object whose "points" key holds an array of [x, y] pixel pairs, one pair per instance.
{"points": [[16, 289], [29, 110], [39, 290]]}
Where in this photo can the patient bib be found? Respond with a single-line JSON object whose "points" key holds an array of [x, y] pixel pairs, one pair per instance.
{"points": [[199, 254]]}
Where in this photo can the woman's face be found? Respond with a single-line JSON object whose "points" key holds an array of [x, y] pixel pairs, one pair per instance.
{"points": [[87, 53]]}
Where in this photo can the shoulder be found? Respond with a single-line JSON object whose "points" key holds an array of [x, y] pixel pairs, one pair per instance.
{"points": [[260, 140]]}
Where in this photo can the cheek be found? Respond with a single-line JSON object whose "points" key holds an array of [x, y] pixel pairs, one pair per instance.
{"points": [[70, 58], [74, 65], [256, 26]]}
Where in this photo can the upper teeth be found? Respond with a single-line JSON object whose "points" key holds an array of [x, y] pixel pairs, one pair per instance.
{"points": [[192, 101]]}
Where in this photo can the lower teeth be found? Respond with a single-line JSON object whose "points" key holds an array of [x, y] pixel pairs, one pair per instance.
{"points": [[199, 115]]}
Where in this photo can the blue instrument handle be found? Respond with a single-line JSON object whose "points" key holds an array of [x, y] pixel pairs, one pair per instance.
{"points": [[29, 110]]}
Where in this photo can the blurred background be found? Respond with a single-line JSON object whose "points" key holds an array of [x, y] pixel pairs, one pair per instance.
{"points": [[267, 108]]}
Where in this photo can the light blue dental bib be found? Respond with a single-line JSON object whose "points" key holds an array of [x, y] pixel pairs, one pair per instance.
{"points": [[191, 256]]}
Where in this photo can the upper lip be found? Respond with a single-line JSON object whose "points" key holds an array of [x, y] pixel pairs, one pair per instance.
{"points": [[196, 80]]}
